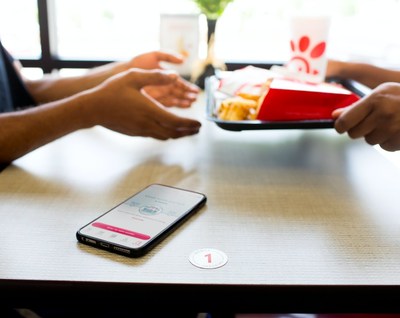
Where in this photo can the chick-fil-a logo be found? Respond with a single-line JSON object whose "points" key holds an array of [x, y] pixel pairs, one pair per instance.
{"points": [[303, 53]]}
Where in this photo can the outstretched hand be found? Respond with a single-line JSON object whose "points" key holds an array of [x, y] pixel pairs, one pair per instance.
{"points": [[152, 60], [122, 106], [376, 118], [180, 93]]}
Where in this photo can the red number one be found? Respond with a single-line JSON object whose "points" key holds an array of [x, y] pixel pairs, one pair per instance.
{"points": [[208, 257]]}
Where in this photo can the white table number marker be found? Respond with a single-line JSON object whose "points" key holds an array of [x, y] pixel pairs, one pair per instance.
{"points": [[208, 258]]}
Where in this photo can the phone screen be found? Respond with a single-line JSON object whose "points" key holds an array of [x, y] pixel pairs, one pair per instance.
{"points": [[136, 224]]}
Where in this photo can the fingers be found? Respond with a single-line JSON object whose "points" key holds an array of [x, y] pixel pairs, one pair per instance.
{"points": [[169, 57], [187, 86], [364, 127], [170, 101], [164, 133], [141, 78], [174, 133], [376, 118], [337, 112], [163, 124], [168, 120], [350, 117], [385, 129], [391, 144], [179, 97], [171, 126], [161, 132], [179, 93]]}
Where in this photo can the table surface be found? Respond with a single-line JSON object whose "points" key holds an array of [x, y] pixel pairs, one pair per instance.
{"points": [[308, 215]]}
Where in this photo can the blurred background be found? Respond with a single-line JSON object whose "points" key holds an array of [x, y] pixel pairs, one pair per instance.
{"points": [[73, 35]]}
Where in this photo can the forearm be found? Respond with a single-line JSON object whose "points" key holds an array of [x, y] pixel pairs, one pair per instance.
{"points": [[368, 74], [52, 88], [24, 131]]}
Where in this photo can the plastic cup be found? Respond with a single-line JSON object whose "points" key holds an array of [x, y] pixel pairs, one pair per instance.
{"points": [[308, 45]]}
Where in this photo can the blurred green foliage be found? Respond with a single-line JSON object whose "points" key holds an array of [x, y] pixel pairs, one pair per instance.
{"points": [[213, 9]]}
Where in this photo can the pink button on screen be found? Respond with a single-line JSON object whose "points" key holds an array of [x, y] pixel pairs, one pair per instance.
{"points": [[120, 230]]}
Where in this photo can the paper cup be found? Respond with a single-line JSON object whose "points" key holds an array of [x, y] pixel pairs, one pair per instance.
{"points": [[308, 45]]}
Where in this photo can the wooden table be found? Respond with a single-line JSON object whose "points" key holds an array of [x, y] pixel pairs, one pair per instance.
{"points": [[309, 220]]}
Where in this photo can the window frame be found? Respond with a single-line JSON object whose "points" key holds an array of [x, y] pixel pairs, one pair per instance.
{"points": [[49, 61]]}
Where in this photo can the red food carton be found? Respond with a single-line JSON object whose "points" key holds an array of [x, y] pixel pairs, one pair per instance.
{"points": [[289, 100]]}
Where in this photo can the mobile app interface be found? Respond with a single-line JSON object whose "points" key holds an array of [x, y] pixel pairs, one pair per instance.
{"points": [[143, 216]]}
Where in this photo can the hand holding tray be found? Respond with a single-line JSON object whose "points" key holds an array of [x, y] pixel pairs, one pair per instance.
{"points": [[214, 97]]}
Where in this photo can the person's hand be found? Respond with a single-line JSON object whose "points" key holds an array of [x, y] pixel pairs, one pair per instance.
{"points": [[119, 104], [152, 60], [180, 93], [376, 118]]}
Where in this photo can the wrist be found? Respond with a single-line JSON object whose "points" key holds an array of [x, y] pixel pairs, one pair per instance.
{"points": [[83, 107], [119, 67]]}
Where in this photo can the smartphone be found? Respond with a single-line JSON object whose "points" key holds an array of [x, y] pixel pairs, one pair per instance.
{"points": [[136, 225]]}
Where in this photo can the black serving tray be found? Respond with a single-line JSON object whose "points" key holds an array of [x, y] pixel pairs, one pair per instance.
{"points": [[213, 97]]}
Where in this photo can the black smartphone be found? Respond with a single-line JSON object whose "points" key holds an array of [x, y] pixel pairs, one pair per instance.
{"points": [[137, 224]]}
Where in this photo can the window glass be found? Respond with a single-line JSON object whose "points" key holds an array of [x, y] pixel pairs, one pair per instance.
{"points": [[19, 28], [361, 29], [32, 72], [104, 29], [248, 31]]}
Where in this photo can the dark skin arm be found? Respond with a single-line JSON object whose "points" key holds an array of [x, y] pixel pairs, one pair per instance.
{"points": [[364, 73], [117, 103], [180, 93]]}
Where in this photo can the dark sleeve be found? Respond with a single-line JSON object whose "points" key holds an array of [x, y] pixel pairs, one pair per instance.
{"points": [[19, 93], [3, 166]]}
